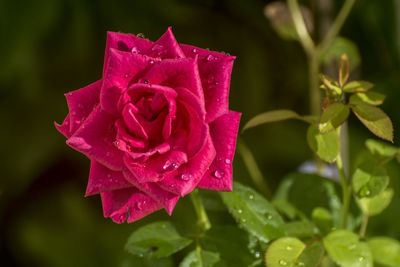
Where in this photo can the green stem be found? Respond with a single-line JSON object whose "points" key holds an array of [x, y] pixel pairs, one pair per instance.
{"points": [[301, 28], [203, 221], [346, 193], [336, 26], [315, 92], [364, 225]]}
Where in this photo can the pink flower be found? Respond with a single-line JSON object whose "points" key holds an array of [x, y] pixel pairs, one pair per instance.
{"points": [[155, 126]]}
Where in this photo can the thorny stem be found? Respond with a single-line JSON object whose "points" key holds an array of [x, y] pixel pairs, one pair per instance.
{"points": [[203, 221]]}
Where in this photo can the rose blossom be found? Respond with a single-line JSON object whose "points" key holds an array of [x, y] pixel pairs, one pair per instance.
{"points": [[155, 126]]}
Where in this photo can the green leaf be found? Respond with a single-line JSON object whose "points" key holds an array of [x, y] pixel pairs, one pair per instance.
{"points": [[345, 249], [375, 205], [381, 149], [385, 250], [342, 46], [344, 69], [330, 85], [274, 116], [156, 240], [300, 229], [200, 258], [371, 98], [325, 145], [369, 180], [312, 255], [333, 117], [357, 86], [284, 252], [322, 219], [253, 212], [375, 120]]}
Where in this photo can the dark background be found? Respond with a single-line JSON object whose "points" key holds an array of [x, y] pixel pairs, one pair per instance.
{"points": [[50, 47]]}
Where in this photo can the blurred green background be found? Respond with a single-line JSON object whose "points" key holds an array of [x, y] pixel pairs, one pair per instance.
{"points": [[49, 47]]}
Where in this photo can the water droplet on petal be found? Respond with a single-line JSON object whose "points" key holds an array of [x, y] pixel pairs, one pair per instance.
{"points": [[140, 35], [134, 50], [186, 176], [151, 62], [170, 166], [219, 174], [194, 50], [146, 81], [139, 205], [126, 75], [227, 161], [210, 57]]}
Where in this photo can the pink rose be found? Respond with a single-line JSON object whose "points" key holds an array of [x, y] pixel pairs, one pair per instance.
{"points": [[156, 126]]}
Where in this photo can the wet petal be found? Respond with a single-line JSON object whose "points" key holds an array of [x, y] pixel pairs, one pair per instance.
{"points": [[64, 127], [177, 73], [165, 198], [127, 205], [102, 179], [215, 69], [224, 132], [166, 47], [120, 70], [190, 174], [95, 139]]}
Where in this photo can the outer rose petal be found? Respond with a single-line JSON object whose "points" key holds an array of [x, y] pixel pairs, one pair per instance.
{"points": [[191, 173], [102, 179], [95, 139], [224, 132], [166, 47], [177, 73], [215, 70], [125, 42], [120, 69], [165, 198], [81, 103], [63, 128], [127, 205]]}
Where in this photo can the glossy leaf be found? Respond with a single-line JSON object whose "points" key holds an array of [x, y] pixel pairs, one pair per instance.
{"points": [[345, 249], [385, 250], [375, 120], [375, 205], [333, 116], [300, 229], [274, 116], [322, 219], [369, 180], [284, 252], [371, 98], [357, 86], [325, 145], [200, 258], [312, 255], [253, 212], [156, 240]]}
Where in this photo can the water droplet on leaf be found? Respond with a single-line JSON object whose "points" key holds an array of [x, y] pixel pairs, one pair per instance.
{"points": [[282, 262]]}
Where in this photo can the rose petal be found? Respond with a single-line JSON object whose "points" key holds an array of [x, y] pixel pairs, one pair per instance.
{"points": [[154, 169], [215, 69], [166, 47], [128, 114], [81, 103], [190, 174], [125, 42], [165, 198], [224, 132], [128, 204], [95, 139], [120, 70], [102, 179], [64, 127], [177, 73]]}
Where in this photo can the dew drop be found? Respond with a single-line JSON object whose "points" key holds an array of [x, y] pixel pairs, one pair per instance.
{"points": [[151, 62], [289, 248], [257, 254], [243, 220], [126, 75], [251, 197], [269, 217], [140, 35], [300, 263], [146, 81], [140, 204], [282, 262], [219, 174], [361, 258], [170, 166], [194, 50], [186, 176], [227, 161], [134, 50], [240, 211], [210, 57]]}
